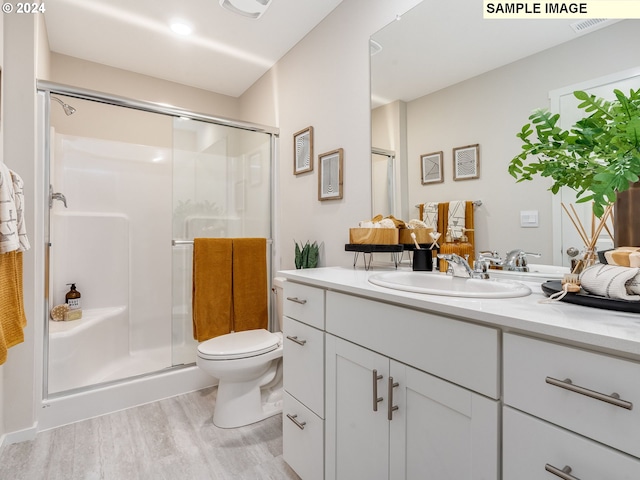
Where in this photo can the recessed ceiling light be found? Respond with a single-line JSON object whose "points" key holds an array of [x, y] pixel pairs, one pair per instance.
{"points": [[181, 28], [247, 8]]}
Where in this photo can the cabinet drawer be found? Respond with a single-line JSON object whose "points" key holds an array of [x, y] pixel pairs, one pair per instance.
{"points": [[302, 439], [535, 374], [457, 351], [304, 303], [529, 445], [304, 364]]}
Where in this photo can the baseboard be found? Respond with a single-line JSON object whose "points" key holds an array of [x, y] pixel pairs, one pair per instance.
{"points": [[19, 436]]}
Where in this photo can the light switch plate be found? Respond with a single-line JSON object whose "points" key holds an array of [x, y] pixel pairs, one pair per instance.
{"points": [[528, 218]]}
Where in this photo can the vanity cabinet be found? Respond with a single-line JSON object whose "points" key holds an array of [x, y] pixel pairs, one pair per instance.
{"points": [[434, 388], [387, 419], [303, 377], [569, 407]]}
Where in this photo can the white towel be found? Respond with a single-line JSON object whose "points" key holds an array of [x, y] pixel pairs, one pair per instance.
{"points": [[13, 235], [430, 215], [18, 188], [457, 217], [611, 281]]}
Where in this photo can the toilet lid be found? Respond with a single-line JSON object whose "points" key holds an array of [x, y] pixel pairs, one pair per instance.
{"points": [[248, 343]]}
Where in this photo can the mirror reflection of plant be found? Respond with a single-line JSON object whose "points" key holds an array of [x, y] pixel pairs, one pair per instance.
{"points": [[597, 157], [306, 256]]}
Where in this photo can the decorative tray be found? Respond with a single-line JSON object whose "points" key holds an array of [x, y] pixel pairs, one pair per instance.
{"points": [[586, 299]]}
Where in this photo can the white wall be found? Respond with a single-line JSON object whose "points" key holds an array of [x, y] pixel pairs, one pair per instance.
{"points": [[19, 150], [323, 82]]}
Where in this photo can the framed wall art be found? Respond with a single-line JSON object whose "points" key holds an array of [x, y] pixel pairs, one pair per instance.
{"points": [[303, 151], [466, 162], [330, 175], [431, 168]]}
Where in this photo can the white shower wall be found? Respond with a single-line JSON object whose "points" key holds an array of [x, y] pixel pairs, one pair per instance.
{"points": [[114, 239]]}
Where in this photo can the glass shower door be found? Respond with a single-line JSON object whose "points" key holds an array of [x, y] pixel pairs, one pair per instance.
{"points": [[221, 188], [112, 239]]}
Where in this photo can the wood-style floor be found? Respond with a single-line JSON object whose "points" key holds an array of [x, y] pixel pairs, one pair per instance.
{"points": [[172, 439]]}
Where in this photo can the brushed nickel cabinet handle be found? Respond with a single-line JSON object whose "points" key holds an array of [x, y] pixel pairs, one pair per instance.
{"points": [[564, 473], [376, 398], [391, 407], [293, 418], [296, 300], [567, 384], [295, 339]]}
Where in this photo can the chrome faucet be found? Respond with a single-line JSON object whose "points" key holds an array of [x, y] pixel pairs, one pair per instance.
{"points": [[487, 258], [517, 260], [459, 267]]}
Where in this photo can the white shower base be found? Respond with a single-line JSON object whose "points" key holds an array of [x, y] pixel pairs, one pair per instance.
{"points": [[95, 349], [79, 406]]}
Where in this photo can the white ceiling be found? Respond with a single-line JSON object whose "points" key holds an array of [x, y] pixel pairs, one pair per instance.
{"points": [[226, 53]]}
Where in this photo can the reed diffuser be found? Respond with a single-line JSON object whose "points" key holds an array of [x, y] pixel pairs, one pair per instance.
{"points": [[597, 225]]}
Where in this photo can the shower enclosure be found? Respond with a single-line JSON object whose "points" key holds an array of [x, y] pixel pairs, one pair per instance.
{"points": [[131, 184]]}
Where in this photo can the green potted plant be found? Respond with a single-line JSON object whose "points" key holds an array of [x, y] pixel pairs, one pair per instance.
{"points": [[306, 256], [598, 157]]}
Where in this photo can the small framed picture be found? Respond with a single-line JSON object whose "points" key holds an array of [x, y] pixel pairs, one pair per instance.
{"points": [[303, 151], [431, 168], [466, 162], [330, 175]]}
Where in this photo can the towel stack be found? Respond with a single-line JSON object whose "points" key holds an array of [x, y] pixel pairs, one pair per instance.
{"points": [[13, 241]]}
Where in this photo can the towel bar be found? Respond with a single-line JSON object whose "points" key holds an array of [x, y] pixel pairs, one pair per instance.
{"points": [[190, 242], [476, 203]]}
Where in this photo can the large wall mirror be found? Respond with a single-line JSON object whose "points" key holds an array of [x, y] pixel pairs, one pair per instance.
{"points": [[442, 78]]}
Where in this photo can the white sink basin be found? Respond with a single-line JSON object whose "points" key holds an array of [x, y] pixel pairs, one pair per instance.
{"points": [[441, 284]]}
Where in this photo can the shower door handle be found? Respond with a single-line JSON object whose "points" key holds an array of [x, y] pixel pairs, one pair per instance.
{"points": [[56, 196]]}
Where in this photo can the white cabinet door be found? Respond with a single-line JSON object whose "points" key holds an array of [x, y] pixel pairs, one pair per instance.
{"points": [[357, 436], [441, 431]]}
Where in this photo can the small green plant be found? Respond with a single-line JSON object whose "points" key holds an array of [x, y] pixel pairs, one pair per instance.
{"points": [[307, 255], [597, 157]]}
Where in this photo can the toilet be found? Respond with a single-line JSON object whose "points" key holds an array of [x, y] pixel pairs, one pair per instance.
{"points": [[248, 365]]}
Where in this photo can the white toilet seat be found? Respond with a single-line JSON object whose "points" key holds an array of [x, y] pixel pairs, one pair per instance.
{"points": [[236, 345]]}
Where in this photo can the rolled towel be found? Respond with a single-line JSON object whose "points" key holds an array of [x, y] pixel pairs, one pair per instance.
{"points": [[611, 281]]}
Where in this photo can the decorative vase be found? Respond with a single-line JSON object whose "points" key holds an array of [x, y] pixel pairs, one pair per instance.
{"points": [[626, 228]]}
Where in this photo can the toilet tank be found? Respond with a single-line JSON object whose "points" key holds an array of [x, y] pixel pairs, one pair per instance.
{"points": [[278, 285]]}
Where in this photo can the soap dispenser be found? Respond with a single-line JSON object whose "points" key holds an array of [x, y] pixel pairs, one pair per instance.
{"points": [[72, 298]]}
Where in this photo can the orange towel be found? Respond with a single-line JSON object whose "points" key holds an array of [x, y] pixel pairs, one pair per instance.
{"points": [[250, 301], [12, 317], [211, 301]]}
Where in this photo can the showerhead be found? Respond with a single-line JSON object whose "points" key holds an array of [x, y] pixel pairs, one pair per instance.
{"points": [[68, 109]]}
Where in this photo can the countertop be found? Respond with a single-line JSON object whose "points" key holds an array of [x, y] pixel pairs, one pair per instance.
{"points": [[603, 330]]}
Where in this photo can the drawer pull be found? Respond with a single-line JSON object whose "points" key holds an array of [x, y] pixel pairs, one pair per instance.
{"points": [[376, 398], [293, 418], [564, 473], [295, 339], [392, 407], [613, 399], [296, 300]]}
